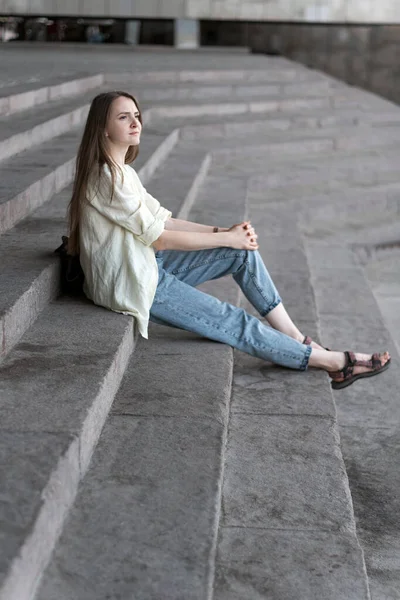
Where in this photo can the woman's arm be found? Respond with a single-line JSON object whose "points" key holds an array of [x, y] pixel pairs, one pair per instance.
{"points": [[181, 225], [191, 240]]}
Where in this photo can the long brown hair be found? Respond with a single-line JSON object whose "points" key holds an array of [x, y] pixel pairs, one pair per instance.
{"points": [[92, 155]]}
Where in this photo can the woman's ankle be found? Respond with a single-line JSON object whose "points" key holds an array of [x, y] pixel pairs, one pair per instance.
{"points": [[327, 360]]}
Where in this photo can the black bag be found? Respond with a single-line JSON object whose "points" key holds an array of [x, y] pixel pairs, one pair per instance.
{"points": [[72, 276]]}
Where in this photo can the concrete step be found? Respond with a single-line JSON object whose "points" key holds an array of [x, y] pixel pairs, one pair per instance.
{"points": [[270, 104], [197, 108], [179, 178], [383, 274], [193, 502], [44, 122], [229, 126], [21, 97], [29, 265], [39, 124], [338, 139], [57, 386], [31, 178], [234, 91], [322, 174], [273, 71], [368, 411], [217, 126], [352, 209]]}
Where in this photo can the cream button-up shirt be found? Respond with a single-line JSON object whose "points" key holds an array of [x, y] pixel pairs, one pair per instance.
{"points": [[116, 255]]}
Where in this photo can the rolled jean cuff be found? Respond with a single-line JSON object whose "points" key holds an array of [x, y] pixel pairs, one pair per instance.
{"points": [[271, 307], [304, 363]]}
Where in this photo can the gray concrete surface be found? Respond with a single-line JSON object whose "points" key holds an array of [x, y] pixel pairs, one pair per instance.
{"points": [[233, 481], [353, 11]]}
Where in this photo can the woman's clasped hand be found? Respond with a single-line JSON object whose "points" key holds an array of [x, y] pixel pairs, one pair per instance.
{"points": [[243, 236]]}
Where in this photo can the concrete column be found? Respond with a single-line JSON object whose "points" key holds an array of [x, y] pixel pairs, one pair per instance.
{"points": [[186, 33], [132, 32]]}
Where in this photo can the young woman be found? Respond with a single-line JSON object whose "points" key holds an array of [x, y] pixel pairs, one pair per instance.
{"points": [[140, 261]]}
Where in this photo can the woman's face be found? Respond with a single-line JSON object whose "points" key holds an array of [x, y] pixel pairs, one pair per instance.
{"points": [[123, 125]]}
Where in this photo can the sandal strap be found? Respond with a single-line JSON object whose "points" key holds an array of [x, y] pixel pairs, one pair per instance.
{"points": [[349, 365], [373, 363]]}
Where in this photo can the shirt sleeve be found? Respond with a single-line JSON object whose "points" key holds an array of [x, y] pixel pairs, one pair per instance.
{"points": [[153, 204], [128, 208], [155, 207]]}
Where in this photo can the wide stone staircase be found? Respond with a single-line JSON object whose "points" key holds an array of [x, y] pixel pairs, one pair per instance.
{"points": [[176, 468]]}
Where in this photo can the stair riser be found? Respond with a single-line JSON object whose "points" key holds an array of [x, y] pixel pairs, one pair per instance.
{"points": [[19, 102], [38, 193], [43, 132], [159, 156], [231, 91], [288, 104], [255, 76], [25, 311], [197, 183]]}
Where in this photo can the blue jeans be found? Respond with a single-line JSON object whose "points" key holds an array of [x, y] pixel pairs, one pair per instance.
{"points": [[177, 302]]}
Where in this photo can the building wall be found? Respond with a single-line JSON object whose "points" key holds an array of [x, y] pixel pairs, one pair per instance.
{"points": [[366, 56], [327, 11]]}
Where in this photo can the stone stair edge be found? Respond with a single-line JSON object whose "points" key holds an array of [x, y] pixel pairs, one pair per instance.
{"points": [[69, 464], [278, 105], [210, 75], [341, 135]]}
